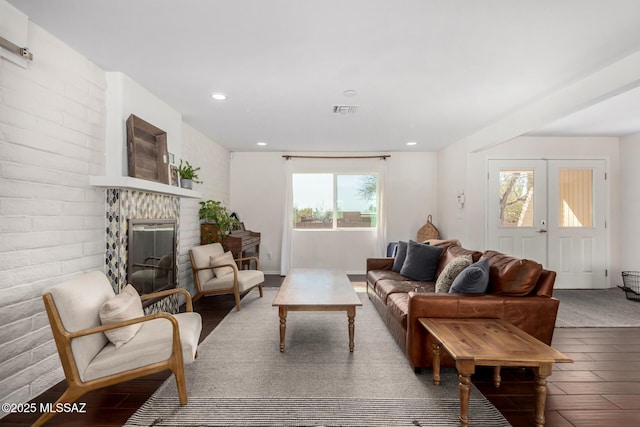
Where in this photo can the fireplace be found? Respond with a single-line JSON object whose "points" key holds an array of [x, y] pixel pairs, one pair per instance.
{"points": [[151, 263]]}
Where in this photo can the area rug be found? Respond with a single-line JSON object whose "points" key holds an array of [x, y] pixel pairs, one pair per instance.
{"points": [[593, 308], [240, 378]]}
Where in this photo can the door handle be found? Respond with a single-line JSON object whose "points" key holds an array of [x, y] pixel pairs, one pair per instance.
{"points": [[542, 230]]}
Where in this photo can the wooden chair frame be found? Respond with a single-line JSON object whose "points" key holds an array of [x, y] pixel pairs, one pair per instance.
{"points": [[77, 388], [235, 290]]}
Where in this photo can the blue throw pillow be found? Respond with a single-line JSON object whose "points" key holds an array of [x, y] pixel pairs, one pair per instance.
{"points": [[473, 279], [401, 254], [421, 262]]}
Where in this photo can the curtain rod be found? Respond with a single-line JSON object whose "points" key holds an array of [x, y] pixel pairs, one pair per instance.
{"points": [[381, 157]]}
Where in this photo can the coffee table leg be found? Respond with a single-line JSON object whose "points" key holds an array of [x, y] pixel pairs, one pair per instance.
{"points": [[351, 313], [282, 311], [436, 363], [541, 373], [465, 370]]}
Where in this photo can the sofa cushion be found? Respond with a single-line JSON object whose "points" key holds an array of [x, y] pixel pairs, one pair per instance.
{"points": [[451, 271], [124, 306], [511, 276], [401, 254], [373, 276], [421, 262], [473, 279], [384, 288]]}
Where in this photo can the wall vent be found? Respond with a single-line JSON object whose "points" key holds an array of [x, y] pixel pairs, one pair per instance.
{"points": [[345, 109]]}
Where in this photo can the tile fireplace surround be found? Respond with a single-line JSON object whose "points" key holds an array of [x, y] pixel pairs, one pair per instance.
{"points": [[121, 205]]}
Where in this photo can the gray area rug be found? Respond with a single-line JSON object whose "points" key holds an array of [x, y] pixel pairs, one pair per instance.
{"points": [[606, 308], [240, 378]]}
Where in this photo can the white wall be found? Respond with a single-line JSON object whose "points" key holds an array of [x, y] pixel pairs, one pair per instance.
{"points": [[125, 97], [213, 159], [54, 124], [457, 165], [52, 127], [257, 195], [630, 204]]}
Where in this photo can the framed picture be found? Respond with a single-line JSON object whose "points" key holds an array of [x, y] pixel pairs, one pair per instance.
{"points": [[174, 178]]}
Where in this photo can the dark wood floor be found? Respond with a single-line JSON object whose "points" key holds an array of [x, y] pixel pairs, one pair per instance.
{"points": [[602, 387]]}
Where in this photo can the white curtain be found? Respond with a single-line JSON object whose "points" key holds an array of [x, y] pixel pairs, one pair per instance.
{"points": [[287, 220], [381, 231]]}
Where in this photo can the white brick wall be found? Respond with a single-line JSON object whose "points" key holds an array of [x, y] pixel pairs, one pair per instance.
{"points": [[52, 132], [213, 159]]}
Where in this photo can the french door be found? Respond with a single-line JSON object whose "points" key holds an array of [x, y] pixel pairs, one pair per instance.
{"points": [[551, 211]]}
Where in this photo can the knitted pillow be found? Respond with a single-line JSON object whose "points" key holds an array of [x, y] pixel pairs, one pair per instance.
{"points": [[451, 271]]}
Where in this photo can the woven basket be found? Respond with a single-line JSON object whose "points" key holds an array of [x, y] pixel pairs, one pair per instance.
{"points": [[428, 231]]}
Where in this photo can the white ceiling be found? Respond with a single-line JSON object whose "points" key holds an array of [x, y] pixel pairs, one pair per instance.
{"points": [[430, 71]]}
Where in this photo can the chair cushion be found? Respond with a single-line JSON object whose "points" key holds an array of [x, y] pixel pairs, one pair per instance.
{"points": [[246, 280], [222, 263], [201, 256], [153, 343], [124, 306], [78, 302]]}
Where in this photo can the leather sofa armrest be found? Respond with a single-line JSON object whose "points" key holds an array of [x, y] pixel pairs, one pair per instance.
{"points": [[379, 264]]}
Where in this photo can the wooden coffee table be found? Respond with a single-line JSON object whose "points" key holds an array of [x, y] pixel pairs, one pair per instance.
{"points": [[490, 342], [316, 290]]}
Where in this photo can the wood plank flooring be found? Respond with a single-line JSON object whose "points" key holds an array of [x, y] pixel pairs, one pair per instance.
{"points": [[602, 387]]}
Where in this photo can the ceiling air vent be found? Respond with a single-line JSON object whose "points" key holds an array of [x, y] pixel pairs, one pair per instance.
{"points": [[345, 109]]}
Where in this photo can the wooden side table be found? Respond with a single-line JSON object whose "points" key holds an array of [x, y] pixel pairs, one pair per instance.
{"points": [[490, 342]]}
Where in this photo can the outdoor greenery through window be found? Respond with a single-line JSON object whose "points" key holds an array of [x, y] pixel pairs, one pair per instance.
{"points": [[327, 200], [516, 198]]}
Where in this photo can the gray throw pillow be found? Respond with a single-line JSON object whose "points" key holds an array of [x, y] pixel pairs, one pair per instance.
{"points": [[473, 279], [451, 271], [401, 254], [421, 262]]}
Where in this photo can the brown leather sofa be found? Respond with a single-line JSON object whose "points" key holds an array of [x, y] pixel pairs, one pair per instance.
{"points": [[520, 292]]}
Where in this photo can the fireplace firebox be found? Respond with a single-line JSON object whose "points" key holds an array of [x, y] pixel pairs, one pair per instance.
{"points": [[151, 265]]}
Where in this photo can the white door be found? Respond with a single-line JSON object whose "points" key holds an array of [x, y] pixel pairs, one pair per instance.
{"points": [[577, 226], [517, 208], [551, 211]]}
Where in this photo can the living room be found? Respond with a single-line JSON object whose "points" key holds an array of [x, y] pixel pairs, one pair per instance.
{"points": [[63, 136]]}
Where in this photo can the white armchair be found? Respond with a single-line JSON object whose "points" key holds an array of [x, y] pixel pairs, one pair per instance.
{"points": [[216, 272], [90, 361]]}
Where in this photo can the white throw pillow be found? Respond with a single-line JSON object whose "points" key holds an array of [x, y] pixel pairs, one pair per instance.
{"points": [[227, 258], [124, 306]]}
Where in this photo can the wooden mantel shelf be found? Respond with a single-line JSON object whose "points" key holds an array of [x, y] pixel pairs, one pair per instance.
{"points": [[142, 185]]}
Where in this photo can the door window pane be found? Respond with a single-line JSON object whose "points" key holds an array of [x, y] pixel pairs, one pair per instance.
{"points": [[576, 198], [312, 200], [516, 198], [356, 200]]}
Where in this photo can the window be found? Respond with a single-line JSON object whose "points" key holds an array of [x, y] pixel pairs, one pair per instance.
{"points": [[516, 198], [329, 201]]}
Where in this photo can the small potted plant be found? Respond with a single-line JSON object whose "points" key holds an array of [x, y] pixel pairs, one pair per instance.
{"points": [[188, 174], [218, 221]]}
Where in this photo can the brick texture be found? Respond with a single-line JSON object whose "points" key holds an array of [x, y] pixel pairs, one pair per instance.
{"points": [[52, 127]]}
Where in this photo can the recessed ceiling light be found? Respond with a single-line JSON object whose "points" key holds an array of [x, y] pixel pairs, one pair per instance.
{"points": [[412, 143], [262, 143], [349, 93], [218, 96]]}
